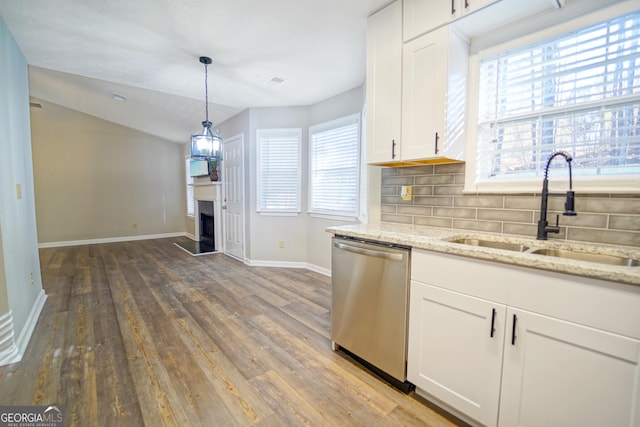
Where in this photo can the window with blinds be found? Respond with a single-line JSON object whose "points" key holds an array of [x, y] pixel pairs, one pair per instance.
{"points": [[334, 171], [191, 209], [579, 93], [278, 180]]}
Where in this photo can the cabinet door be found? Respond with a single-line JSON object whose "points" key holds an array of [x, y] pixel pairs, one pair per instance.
{"points": [[455, 349], [424, 88], [422, 16], [384, 85], [558, 373], [468, 6]]}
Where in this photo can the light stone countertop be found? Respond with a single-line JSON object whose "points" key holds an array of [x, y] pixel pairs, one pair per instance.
{"points": [[439, 240]]}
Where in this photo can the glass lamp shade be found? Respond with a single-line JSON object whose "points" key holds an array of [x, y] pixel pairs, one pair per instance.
{"points": [[206, 143]]}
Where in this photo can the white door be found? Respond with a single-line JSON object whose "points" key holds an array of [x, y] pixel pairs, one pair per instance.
{"points": [[233, 202], [558, 373]]}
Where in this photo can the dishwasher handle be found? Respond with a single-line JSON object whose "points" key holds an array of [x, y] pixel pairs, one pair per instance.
{"points": [[369, 252]]}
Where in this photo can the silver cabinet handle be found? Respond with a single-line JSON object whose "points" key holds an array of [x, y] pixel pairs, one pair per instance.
{"points": [[369, 252]]}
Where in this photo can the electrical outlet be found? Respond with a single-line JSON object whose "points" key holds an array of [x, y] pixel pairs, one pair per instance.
{"points": [[281, 244], [405, 192], [134, 226], [18, 191], [31, 277]]}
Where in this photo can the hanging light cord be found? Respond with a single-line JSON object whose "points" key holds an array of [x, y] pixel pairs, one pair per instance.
{"points": [[206, 94]]}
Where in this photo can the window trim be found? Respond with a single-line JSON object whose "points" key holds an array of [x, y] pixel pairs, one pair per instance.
{"points": [[278, 212], [587, 184], [330, 125]]}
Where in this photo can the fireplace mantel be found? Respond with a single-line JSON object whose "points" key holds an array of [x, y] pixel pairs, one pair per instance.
{"points": [[206, 191]]}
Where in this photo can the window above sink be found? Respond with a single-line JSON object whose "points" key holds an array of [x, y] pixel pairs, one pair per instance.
{"points": [[555, 89]]}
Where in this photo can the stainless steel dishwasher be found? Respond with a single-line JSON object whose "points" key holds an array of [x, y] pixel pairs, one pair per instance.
{"points": [[370, 304]]}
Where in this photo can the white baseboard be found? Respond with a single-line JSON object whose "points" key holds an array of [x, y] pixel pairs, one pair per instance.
{"points": [[32, 320], [319, 270], [288, 264], [109, 240], [11, 350]]}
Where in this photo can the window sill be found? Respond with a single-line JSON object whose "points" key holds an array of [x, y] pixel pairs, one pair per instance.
{"points": [[263, 213], [346, 218], [627, 184]]}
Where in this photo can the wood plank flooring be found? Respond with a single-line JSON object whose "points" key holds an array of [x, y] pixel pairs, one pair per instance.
{"points": [[142, 333]]}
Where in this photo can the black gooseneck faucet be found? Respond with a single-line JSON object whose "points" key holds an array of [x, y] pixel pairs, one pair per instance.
{"points": [[569, 205]]}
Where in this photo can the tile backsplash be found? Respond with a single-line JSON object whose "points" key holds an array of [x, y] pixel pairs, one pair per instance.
{"points": [[438, 201]]}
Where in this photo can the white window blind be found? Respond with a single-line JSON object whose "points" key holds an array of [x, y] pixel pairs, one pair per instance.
{"points": [[579, 93], [334, 167], [278, 170], [191, 209]]}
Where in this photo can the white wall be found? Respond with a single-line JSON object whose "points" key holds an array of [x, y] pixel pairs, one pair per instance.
{"points": [[305, 241], [268, 230], [17, 211], [95, 179]]}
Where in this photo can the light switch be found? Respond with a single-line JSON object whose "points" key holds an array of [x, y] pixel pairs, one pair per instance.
{"points": [[18, 191]]}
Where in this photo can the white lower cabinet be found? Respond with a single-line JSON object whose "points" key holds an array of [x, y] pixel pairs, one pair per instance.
{"points": [[455, 349], [508, 346], [557, 373]]}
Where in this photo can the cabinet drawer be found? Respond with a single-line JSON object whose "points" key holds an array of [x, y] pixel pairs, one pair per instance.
{"points": [[608, 306]]}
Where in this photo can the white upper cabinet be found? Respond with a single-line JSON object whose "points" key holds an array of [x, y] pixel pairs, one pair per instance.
{"points": [[384, 84], [417, 67], [468, 6], [471, 17], [421, 16], [416, 93], [434, 89], [418, 88]]}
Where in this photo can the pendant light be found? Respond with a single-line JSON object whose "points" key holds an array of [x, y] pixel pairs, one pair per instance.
{"points": [[206, 144]]}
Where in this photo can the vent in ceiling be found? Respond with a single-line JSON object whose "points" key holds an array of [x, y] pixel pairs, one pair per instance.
{"points": [[275, 81], [35, 105]]}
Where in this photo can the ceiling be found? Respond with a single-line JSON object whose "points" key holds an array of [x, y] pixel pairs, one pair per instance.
{"points": [[82, 52]]}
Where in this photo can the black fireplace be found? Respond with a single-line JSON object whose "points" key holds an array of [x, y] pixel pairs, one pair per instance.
{"points": [[207, 236]]}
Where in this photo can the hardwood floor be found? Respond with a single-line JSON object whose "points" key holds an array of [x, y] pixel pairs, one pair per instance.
{"points": [[142, 333]]}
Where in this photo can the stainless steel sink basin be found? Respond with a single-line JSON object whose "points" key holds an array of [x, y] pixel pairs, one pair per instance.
{"points": [[517, 247], [587, 256]]}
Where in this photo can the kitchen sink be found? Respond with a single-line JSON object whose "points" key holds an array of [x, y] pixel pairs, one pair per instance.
{"points": [[517, 247], [599, 258], [587, 256]]}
